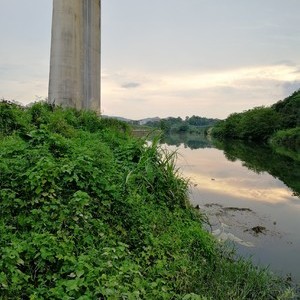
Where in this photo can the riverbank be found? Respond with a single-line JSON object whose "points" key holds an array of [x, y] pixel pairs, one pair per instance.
{"points": [[278, 125], [87, 211]]}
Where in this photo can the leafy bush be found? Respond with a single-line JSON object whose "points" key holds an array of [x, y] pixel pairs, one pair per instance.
{"points": [[257, 124], [12, 118], [289, 109], [89, 212], [289, 138], [260, 123], [194, 124]]}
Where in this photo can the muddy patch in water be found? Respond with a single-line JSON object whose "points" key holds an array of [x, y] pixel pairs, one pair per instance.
{"points": [[240, 225]]}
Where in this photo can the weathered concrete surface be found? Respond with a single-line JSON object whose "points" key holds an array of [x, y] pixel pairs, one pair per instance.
{"points": [[74, 79]]}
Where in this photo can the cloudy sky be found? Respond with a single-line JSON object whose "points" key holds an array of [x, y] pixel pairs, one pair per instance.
{"points": [[166, 57]]}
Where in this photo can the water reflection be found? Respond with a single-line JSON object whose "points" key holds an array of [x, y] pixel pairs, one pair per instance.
{"points": [[192, 141], [263, 159], [260, 185], [259, 159], [242, 188]]}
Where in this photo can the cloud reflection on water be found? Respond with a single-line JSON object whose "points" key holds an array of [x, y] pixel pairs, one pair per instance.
{"points": [[241, 188], [213, 173]]}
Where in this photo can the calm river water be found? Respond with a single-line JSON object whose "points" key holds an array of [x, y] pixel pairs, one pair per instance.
{"points": [[251, 196]]}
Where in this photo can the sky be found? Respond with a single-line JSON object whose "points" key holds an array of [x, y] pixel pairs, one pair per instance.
{"points": [[165, 57]]}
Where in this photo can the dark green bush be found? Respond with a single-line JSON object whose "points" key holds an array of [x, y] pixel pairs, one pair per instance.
{"points": [[289, 138], [261, 123]]}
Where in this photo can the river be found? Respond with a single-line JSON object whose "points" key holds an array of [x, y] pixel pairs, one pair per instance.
{"points": [[250, 195]]}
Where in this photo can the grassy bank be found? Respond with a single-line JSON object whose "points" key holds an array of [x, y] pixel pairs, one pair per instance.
{"points": [[89, 212]]}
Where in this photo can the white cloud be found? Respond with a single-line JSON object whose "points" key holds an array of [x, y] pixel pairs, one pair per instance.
{"points": [[213, 94], [165, 45]]}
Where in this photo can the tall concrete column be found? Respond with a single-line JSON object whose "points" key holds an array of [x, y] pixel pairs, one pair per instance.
{"points": [[75, 54]]}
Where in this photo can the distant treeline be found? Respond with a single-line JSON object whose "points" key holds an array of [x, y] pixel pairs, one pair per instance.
{"points": [[279, 124], [178, 125]]}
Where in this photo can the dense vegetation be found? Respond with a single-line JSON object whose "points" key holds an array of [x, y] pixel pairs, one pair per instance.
{"points": [[89, 212], [280, 122], [194, 124]]}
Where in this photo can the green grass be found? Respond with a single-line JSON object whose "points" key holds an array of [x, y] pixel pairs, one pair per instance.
{"points": [[89, 212]]}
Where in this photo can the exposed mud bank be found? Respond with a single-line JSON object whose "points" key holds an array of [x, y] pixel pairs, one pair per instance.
{"points": [[240, 225]]}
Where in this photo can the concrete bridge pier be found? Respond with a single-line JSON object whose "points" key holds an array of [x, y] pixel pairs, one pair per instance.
{"points": [[74, 79]]}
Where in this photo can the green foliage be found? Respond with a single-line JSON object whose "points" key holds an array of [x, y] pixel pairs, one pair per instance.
{"points": [[227, 128], [262, 123], [200, 121], [289, 109], [287, 142], [192, 124], [289, 138], [89, 212], [257, 124], [12, 118]]}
